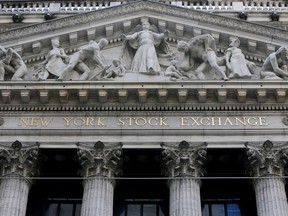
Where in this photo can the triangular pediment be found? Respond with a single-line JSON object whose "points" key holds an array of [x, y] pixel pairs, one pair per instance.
{"points": [[33, 42], [182, 23]]}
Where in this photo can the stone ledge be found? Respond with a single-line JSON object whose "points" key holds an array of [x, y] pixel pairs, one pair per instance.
{"points": [[111, 94]]}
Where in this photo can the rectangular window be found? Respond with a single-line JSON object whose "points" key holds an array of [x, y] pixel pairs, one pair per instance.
{"points": [[142, 207], [63, 207], [223, 207]]}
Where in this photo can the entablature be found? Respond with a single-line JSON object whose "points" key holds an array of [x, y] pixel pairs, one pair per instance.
{"points": [[189, 95]]}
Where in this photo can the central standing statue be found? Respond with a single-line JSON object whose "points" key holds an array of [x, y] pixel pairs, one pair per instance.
{"points": [[140, 50]]}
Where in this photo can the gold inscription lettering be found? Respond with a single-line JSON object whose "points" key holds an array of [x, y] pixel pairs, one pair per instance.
{"points": [[24, 121], [195, 121], [252, 121], [227, 120], [140, 121], [184, 121], [207, 121], [238, 120], [121, 122], [90, 121], [45, 121], [79, 121], [100, 121], [34, 121], [216, 121], [67, 120], [162, 121], [262, 121], [153, 119]]}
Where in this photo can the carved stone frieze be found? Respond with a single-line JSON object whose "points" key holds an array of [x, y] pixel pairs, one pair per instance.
{"points": [[266, 160], [18, 160], [184, 160], [145, 56], [100, 161]]}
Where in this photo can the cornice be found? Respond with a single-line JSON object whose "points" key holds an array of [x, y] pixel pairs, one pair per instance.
{"points": [[139, 6], [146, 96]]}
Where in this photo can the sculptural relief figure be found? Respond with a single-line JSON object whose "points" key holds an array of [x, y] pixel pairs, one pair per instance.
{"points": [[56, 59], [11, 62], [201, 51], [118, 70], [3, 62], [236, 62], [275, 65], [85, 60], [54, 63], [141, 50], [174, 73]]}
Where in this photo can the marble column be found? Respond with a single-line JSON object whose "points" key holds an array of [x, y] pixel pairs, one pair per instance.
{"points": [[17, 165], [267, 163], [99, 164], [184, 164]]}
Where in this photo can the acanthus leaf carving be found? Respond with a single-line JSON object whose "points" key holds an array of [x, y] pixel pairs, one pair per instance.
{"points": [[100, 160], [184, 160], [18, 160], [266, 160]]}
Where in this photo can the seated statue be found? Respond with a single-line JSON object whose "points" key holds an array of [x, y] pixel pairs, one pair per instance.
{"points": [[11, 62], [275, 65], [237, 66], [141, 49], [88, 54], [118, 70], [200, 49]]}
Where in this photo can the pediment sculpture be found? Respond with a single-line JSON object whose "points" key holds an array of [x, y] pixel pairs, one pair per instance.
{"points": [[146, 53]]}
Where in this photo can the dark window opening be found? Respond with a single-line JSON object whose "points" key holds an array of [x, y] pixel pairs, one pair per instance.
{"points": [[141, 197], [56, 197], [227, 197], [62, 207], [224, 207]]}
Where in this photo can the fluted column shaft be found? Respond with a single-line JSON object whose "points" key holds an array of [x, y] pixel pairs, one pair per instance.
{"points": [[17, 165], [97, 197], [271, 197], [267, 164], [185, 165], [98, 166], [185, 197], [13, 196]]}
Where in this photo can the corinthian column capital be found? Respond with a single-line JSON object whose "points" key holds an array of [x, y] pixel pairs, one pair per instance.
{"points": [[184, 160], [19, 160], [266, 160], [100, 160]]}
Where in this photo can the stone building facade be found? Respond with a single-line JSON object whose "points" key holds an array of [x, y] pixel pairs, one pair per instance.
{"points": [[149, 108]]}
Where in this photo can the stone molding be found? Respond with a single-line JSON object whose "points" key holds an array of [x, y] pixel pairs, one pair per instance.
{"points": [[266, 160], [133, 7], [19, 161], [25, 95], [184, 160], [100, 161]]}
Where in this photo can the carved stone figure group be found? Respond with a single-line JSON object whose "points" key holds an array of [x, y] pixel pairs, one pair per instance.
{"points": [[146, 52]]}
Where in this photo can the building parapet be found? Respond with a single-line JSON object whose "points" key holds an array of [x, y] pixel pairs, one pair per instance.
{"points": [[73, 7]]}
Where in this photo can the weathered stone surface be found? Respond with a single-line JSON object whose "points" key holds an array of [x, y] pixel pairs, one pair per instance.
{"points": [[98, 165], [184, 163], [16, 165], [268, 163]]}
